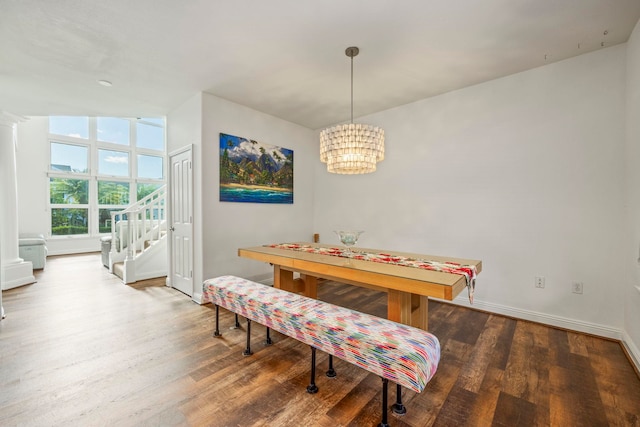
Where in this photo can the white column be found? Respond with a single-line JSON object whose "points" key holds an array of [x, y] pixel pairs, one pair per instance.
{"points": [[15, 270], [1, 306]]}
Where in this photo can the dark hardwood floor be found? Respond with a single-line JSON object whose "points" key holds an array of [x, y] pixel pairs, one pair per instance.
{"points": [[79, 348]]}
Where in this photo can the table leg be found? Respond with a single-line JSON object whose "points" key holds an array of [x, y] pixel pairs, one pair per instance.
{"points": [[420, 311], [283, 279], [310, 285], [407, 308]]}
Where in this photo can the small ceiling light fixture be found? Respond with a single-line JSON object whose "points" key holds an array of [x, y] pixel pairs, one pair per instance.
{"points": [[352, 148], [105, 83]]}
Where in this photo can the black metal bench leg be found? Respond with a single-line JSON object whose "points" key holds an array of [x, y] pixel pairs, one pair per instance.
{"points": [[398, 407], [331, 373], [237, 324], [312, 388], [268, 340], [384, 422], [217, 333], [247, 351]]}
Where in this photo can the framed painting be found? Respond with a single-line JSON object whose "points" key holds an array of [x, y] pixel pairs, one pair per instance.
{"points": [[254, 172]]}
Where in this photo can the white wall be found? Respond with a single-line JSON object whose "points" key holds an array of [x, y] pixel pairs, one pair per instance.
{"points": [[32, 160], [524, 173], [32, 164], [221, 228], [229, 226], [632, 255]]}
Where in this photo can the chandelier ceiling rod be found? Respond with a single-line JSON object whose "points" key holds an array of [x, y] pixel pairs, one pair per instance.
{"points": [[351, 52]]}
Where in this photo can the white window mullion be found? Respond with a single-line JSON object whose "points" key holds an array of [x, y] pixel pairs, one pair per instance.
{"points": [[93, 138], [133, 160], [93, 206], [93, 183]]}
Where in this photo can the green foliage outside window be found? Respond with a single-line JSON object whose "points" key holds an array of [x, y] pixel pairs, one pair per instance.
{"points": [[113, 193], [104, 219], [145, 189], [69, 221], [69, 191]]}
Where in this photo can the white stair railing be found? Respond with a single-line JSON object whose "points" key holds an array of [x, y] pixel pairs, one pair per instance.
{"points": [[135, 228]]}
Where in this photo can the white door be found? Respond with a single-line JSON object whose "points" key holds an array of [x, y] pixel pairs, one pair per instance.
{"points": [[181, 220]]}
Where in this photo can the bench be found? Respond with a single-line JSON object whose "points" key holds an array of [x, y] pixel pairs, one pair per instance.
{"points": [[400, 353]]}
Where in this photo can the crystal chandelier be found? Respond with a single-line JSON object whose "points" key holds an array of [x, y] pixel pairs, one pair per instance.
{"points": [[352, 148]]}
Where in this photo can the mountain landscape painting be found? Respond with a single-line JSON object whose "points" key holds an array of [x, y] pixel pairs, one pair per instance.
{"points": [[254, 172]]}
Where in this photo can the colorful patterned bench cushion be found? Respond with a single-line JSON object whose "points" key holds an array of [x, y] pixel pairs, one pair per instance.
{"points": [[403, 354]]}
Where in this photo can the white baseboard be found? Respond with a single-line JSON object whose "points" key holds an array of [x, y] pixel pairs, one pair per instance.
{"points": [[12, 284], [197, 297], [558, 321], [547, 319], [634, 352], [151, 275], [71, 251], [17, 274]]}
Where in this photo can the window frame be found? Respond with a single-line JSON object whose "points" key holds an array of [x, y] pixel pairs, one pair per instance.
{"points": [[52, 206], [59, 139], [93, 176]]}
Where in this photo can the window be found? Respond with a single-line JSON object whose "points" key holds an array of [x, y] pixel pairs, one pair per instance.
{"points": [[114, 163], [69, 191], [145, 189], [69, 221], [113, 193], [99, 165], [113, 129], [113, 196], [104, 219], [76, 127], [69, 158], [150, 134], [69, 200], [150, 166]]}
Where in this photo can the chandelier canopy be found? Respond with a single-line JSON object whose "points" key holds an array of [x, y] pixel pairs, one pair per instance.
{"points": [[352, 148]]}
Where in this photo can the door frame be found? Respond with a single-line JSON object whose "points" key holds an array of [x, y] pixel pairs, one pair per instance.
{"points": [[170, 253]]}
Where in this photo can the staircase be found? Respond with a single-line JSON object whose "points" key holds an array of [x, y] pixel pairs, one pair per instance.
{"points": [[139, 239]]}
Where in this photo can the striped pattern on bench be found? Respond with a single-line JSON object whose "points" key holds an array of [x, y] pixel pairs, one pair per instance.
{"points": [[403, 354]]}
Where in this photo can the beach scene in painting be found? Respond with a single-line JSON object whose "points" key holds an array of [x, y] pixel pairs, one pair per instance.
{"points": [[254, 172]]}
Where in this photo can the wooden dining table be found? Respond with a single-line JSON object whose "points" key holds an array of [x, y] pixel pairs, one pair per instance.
{"points": [[408, 288]]}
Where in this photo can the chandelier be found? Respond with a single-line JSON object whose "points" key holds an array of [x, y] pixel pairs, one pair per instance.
{"points": [[352, 148]]}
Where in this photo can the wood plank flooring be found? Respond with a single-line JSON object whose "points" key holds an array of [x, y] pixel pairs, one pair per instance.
{"points": [[79, 348]]}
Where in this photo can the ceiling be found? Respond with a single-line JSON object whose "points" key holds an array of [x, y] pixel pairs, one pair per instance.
{"points": [[282, 57]]}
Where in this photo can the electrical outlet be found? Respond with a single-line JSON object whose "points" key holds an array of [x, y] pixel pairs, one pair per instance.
{"points": [[576, 287], [539, 281]]}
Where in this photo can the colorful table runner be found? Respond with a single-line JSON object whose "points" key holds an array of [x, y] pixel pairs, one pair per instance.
{"points": [[468, 271]]}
